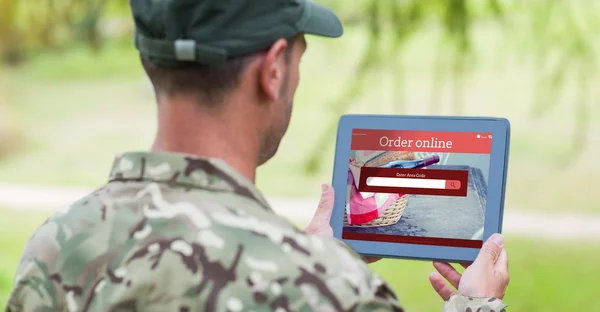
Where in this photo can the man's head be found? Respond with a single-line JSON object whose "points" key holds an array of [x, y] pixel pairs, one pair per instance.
{"points": [[230, 58]]}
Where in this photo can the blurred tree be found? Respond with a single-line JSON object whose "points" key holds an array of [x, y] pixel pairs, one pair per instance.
{"points": [[560, 31], [88, 28], [10, 52], [565, 50], [10, 134], [570, 39], [44, 25], [406, 18]]}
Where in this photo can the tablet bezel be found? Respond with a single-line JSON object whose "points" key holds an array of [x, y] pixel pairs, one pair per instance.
{"points": [[500, 129]]}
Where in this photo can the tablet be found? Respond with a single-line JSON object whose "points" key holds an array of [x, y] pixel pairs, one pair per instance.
{"points": [[419, 187]]}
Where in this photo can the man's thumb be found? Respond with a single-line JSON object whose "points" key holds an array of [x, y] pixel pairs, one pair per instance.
{"points": [[320, 221], [491, 249], [327, 198], [325, 207]]}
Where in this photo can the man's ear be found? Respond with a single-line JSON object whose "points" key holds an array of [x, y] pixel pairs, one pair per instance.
{"points": [[272, 69]]}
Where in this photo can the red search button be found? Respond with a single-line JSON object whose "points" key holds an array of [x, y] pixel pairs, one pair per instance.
{"points": [[452, 184]]}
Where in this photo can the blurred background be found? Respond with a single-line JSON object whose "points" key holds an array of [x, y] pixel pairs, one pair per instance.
{"points": [[73, 94]]}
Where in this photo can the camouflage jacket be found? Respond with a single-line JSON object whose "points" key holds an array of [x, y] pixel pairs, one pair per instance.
{"points": [[173, 232]]}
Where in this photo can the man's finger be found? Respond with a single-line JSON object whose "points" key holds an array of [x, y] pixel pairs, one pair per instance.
{"points": [[491, 250], [501, 264], [448, 272], [440, 286], [369, 259]]}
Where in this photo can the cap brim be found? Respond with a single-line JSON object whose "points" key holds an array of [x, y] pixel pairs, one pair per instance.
{"points": [[321, 21]]}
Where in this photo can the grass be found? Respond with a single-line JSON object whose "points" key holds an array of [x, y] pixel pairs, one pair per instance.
{"points": [[555, 276], [15, 229], [80, 62], [558, 276]]}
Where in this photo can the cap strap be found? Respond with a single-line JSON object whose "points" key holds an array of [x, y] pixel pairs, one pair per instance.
{"points": [[184, 50]]}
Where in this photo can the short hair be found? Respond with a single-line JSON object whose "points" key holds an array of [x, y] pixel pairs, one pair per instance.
{"points": [[209, 83]]}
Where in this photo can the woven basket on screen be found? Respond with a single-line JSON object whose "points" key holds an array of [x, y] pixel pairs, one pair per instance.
{"points": [[391, 216]]}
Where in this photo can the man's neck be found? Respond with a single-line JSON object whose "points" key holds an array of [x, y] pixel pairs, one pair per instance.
{"points": [[182, 128]]}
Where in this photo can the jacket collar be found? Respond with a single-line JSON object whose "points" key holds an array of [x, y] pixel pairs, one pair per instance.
{"points": [[189, 171]]}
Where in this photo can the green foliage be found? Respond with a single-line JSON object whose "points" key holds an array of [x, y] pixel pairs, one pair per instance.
{"points": [[54, 25], [9, 52], [62, 102], [405, 19], [564, 54], [560, 32]]}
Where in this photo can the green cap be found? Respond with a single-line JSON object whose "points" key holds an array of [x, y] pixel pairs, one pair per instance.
{"points": [[209, 32]]}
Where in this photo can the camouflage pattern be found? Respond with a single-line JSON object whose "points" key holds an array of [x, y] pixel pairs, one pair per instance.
{"points": [[460, 303], [172, 232]]}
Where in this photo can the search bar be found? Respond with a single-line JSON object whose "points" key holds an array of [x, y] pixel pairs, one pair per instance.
{"points": [[414, 183]]}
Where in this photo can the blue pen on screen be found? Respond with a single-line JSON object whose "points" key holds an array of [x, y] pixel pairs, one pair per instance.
{"points": [[412, 164]]}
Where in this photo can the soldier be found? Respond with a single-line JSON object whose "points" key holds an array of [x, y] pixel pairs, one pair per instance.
{"points": [[183, 227]]}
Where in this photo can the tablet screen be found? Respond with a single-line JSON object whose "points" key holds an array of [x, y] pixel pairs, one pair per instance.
{"points": [[417, 187]]}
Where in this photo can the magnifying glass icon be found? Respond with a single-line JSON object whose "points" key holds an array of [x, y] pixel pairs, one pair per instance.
{"points": [[452, 184]]}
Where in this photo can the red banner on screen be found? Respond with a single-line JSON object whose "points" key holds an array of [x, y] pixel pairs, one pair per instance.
{"points": [[432, 241], [421, 141], [444, 182]]}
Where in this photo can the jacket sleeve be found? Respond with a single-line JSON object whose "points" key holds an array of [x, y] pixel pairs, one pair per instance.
{"points": [[461, 303]]}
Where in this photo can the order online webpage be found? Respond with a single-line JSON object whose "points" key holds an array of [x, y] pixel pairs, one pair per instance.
{"points": [[417, 187]]}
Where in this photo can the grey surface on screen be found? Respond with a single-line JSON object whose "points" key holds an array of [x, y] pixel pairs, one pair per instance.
{"points": [[479, 161], [441, 216]]}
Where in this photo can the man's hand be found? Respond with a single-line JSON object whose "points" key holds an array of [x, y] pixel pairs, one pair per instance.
{"points": [[320, 222], [486, 277]]}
